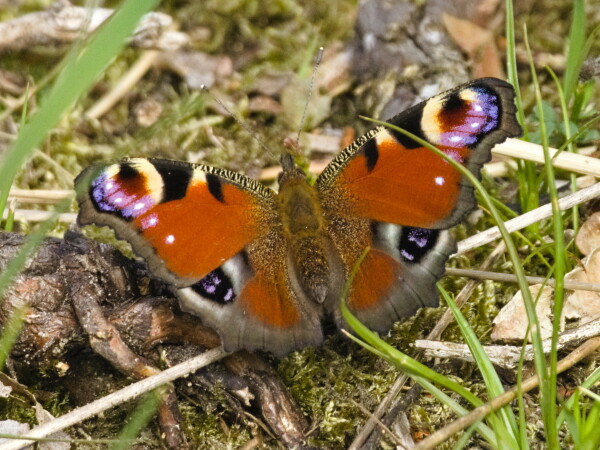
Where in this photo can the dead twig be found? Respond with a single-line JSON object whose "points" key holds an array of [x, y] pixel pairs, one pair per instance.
{"points": [[524, 220], [507, 356], [63, 23], [573, 162], [510, 278], [34, 215], [124, 86], [479, 413]]}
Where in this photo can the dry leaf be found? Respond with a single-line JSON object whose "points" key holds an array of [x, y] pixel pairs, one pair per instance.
{"points": [[478, 43], [13, 427], [511, 322], [264, 103], [588, 237], [147, 112], [584, 305], [293, 100], [5, 390], [333, 75], [44, 417]]}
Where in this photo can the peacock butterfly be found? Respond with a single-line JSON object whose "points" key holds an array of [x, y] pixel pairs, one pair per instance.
{"points": [[265, 269]]}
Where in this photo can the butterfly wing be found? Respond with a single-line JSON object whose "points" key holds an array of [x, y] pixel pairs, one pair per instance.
{"points": [[398, 275], [252, 306], [388, 179], [212, 233], [184, 220]]}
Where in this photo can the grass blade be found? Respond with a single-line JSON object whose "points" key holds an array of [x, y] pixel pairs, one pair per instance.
{"points": [[576, 53]]}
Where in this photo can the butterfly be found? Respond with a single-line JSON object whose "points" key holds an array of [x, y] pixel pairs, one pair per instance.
{"points": [[267, 269]]}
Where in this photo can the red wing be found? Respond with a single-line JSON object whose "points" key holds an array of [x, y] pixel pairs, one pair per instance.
{"points": [[184, 219], [390, 178]]}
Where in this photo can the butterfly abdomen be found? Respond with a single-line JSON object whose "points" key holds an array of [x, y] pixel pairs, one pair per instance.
{"points": [[313, 264]]}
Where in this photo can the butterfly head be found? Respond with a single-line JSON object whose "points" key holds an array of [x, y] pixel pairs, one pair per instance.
{"points": [[290, 173]]}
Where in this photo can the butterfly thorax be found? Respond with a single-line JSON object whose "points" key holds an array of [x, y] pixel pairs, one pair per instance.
{"points": [[312, 258]]}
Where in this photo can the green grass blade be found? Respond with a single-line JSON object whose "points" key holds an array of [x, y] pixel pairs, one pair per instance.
{"points": [[445, 399], [548, 389], [570, 146], [511, 63], [576, 52], [10, 332], [80, 71], [590, 394], [589, 382], [403, 361], [526, 172], [10, 218], [506, 428], [583, 93], [4, 195], [417, 371]]}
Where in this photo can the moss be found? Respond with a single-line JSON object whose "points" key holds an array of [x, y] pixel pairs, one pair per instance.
{"points": [[329, 384]]}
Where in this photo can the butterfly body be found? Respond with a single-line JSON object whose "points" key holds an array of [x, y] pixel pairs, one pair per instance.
{"points": [[312, 261], [264, 268]]}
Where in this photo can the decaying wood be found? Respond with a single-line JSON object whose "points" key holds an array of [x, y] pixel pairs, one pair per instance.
{"points": [[80, 293], [62, 23], [129, 392]]}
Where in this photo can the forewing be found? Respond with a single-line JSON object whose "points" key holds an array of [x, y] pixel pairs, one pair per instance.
{"points": [[214, 234], [185, 220], [388, 177]]}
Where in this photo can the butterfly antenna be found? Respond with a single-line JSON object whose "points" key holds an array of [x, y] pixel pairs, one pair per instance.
{"points": [[311, 86], [243, 124]]}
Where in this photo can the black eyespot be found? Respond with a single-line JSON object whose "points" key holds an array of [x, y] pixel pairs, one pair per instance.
{"points": [[415, 243], [215, 286]]}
